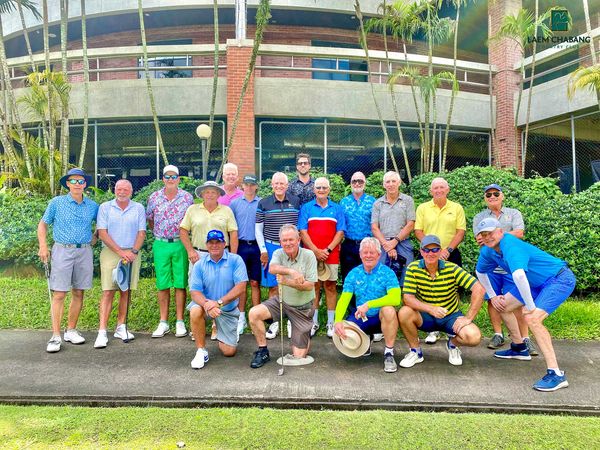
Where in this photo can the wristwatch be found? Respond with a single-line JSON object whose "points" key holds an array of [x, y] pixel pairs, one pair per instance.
{"points": [[450, 249], [220, 303], [134, 251], [328, 250]]}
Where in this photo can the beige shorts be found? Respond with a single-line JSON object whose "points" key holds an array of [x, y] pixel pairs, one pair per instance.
{"points": [[333, 269], [108, 261]]}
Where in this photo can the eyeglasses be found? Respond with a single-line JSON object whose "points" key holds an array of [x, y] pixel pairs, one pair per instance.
{"points": [[303, 163], [321, 188], [431, 250], [357, 181], [495, 194], [170, 177], [75, 181]]}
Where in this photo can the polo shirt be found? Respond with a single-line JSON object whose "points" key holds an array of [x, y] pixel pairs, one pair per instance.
{"points": [[226, 199], [442, 222], [304, 263], [199, 221], [370, 286], [304, 192], [441, 290], [516, 254], [510, 219], [321, 224], [216, 278], [274, 214], [392, 217], [167, 214], [71, 221], [358, 216], [245, 216], [122, 225]]}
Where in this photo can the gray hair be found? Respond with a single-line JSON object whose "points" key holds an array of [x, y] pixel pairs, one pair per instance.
{"points": [[439, 180], [370, 242], [280, 175], [124, 181], [288, 227], [323, 180], [231, 166]]}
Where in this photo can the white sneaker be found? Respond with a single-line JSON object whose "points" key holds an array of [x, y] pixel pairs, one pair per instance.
{"points": [[122, 333], [329, 330], [377, 337], [101, 340], [200, 359], [241, 324], [432, 337], [54, 344], [161, 330], [314, 329], [74, 337], [273, 330], [410, 359], [454, 357], [180, 330], [289, 329]]}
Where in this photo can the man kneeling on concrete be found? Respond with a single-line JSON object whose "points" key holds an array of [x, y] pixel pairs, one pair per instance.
{"points": [[376, 290], [431, 303], [296, 272], [218, 279]]}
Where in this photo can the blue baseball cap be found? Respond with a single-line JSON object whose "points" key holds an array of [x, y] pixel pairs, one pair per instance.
{"points": [[215, 235], [492, 186], [430, 239], [488, 224]]}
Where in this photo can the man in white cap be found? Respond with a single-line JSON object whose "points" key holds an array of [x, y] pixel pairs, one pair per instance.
{"points": [[164, 212], [121, 227], [431, 303], [377, 293], [541, 284]]}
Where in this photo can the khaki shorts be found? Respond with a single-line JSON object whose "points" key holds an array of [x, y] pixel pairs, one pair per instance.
{"points": [[108, 261], [333, 269], [301, 319]]}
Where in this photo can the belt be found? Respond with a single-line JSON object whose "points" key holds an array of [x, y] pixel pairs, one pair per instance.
{"points": [[273, 242], [352, 241], [200, 250], [73, 245], [243, 241], [175, 239]]}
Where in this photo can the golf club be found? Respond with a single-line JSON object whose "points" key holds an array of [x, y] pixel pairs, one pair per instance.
{"points": [[126, 340], [280, 289], [47, 273]]}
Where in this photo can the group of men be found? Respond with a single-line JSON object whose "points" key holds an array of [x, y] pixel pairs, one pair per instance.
{"points": [[294, 242]]}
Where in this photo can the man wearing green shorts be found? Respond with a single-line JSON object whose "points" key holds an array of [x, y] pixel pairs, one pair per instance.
{"points": [[165, 211]]}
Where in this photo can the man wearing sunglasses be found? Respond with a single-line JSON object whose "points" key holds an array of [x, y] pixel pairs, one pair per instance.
{"points": [[165, 211], [72, 266], [303, 186], [431, 303], [511, 222]]}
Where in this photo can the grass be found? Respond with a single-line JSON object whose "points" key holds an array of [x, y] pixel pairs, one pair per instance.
{"points": [[25, 306], [52, 427]]}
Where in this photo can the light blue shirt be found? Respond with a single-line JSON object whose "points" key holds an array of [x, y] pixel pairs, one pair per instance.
{"points": [[370, 286], [122, 225], [72, 221], [215, 279], [358, 216], [245, 216]]}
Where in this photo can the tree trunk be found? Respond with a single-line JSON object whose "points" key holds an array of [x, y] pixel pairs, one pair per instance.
{"points": [[534, 48], [26, 35], [64, 129], [86, 84], [49, 134], [213, 101], [453, 95]]}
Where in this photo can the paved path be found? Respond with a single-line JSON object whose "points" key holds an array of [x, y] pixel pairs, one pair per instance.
{"points": [[157, 372]]}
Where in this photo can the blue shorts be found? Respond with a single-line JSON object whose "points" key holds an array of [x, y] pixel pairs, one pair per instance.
{"points": [[550, 295], [250, 253], [445, 324], [268, 279], [371, 326], [502, 283]]}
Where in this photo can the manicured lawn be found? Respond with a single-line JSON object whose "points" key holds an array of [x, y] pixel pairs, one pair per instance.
{"points": [[52, 427], [24, 305]]}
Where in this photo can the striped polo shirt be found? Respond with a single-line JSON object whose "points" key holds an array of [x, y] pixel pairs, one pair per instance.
{"points": [[274, 214], [441, 290]]}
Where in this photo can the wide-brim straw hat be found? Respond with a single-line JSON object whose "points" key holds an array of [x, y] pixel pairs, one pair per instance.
{"points": [[323, 271], [207, 185], [75, 171], [356, 343]]}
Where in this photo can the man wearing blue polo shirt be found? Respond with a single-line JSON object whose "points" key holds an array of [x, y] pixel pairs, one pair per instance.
{"points": [[72, 266], [542, 284], [218, 279]]}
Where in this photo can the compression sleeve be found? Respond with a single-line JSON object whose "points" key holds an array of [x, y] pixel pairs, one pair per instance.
{"points": [[522, 284], [260, 239], [392, 298], [342, 306], [485, 281]]}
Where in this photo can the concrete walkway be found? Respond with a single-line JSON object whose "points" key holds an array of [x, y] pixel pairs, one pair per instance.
{"points": [[157, 372]]}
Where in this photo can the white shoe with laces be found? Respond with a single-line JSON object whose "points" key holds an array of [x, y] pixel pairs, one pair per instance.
{"points": [[314, 329], [180, 330], [101, 340], [161, 330], [454, 357], [377, 337], [123, 334], [54, 344], [74, 337], [432, 337], [329, 330], [273, 330], [200, 359], [241, 324]]}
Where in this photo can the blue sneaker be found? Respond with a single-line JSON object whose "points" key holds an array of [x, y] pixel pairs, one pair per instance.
{"points": [[513, 354], [551, 382]]}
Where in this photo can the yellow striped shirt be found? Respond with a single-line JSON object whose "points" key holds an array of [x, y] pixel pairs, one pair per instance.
{"points": [[441, 290]]}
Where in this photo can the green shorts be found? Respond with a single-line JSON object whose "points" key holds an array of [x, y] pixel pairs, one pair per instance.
{"points": [[171, 265]]}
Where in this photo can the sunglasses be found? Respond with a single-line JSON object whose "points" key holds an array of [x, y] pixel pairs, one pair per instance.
{"points": [[303, 163], [74, 181], [357, 181], [170, 177], [431, 250], [321, 188], [495, 194]]}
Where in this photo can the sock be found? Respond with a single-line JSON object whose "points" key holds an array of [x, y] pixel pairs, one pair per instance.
{"points": [[316, 316], [179, 321], [330, 316], [499, 334], [102, 331], [450, 344], [262, 348], [417, 350], [388, 351], [519, 347], [557, 371], [165, 322]]}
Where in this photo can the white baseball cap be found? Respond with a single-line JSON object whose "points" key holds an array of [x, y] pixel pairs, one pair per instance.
{"points": [[170, 168]]}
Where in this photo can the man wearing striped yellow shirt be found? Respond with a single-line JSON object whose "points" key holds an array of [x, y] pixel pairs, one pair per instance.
{"points": [[431, 303]]}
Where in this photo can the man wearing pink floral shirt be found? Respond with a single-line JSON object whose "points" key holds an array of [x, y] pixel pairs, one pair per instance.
{"points": [[165, 212]]}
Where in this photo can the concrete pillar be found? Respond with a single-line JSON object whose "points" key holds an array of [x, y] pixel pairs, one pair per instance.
{"points": [[505, 54], [242, 148]]}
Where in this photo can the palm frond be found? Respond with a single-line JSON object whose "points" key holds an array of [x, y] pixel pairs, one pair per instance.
{"points": [[584, 78]]}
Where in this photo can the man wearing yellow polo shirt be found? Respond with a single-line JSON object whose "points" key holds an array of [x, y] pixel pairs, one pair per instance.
{"points": [[446, 220]]}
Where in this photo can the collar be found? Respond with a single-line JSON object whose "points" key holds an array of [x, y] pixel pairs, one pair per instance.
{"points": [[180, 192], [375, 269], [224, 257], [113, 202], [296, 258], [490, 212], [201, 205], [441, 264], [298, 180], [71, 199], [285, 198]]}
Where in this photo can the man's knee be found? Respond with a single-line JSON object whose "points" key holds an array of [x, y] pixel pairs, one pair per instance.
{"points": [[196, 314], [387, 314], [227, 350], [535, 319], [259, 312], [470, 335], [406, 314]]}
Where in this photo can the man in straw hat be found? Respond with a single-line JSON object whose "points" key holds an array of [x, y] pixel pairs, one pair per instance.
{"points": [[377, 291], [72, 265], [431, 303], [296, 271]]}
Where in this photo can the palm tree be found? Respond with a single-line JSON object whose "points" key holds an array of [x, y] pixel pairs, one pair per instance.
{"points": [[64, 129], [51, 132], [584, 78], [213, 101], [25, 34], [149, 84], [263, 14], [86, 84]]}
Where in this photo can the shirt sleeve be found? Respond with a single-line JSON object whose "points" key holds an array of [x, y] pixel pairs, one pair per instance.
{"points": [[141, 218], [485, 264], [260, 213], [410, 208], [231, 222], [341, 219], [349, 282], [186, 222], [277, 257], [420, 215], [517, 222], [375, 212], [303, 218], [50, 213], [410, 280], [512, 253], [461, 221], [311, 268], [150, 207], [196, 282], [239, 273], [102, 221], [463, 278]]}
